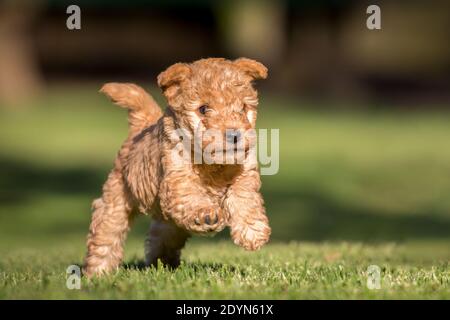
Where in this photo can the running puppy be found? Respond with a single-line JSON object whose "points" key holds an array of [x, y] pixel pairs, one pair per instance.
{"points": [[183, 197]]}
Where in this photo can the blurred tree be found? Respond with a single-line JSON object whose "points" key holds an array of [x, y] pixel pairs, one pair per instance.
{"points": [[19, 75], [253, 28]]}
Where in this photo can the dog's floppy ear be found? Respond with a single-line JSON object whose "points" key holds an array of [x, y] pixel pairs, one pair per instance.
{"points": [[173, 75], [253, 68]]}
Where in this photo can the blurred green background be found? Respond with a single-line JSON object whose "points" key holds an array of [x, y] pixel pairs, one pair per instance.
{"points": [[359, 176], [363, 115]]}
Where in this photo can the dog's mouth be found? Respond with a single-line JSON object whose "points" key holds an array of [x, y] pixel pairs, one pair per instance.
{"points": [[227, 149], [234, 154]]}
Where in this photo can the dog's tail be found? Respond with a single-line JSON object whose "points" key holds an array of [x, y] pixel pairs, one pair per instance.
{"points": [[143, 111]]}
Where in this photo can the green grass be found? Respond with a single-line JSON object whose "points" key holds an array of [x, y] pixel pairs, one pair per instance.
{"points": [[221, 271], [354, 189]]}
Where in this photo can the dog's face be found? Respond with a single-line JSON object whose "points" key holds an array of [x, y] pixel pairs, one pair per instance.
{"points": [[214, 99]]}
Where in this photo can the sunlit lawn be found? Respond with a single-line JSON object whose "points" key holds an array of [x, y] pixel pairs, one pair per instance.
{"points": [[353, 189]]}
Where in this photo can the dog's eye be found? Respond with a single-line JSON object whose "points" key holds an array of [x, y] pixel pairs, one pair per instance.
{"points": [[203, 109]]}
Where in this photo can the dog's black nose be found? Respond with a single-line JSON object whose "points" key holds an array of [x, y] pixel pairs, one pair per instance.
{"points": [[233, 136]]}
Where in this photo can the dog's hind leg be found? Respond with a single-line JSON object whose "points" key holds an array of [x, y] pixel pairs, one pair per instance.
{"points": [[111, 219], [164, 242]]}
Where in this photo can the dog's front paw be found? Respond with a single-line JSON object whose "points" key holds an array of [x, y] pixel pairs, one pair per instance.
{"points": [[207, 220], [251, 235]]}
